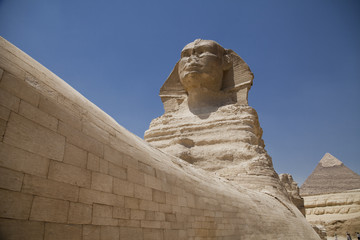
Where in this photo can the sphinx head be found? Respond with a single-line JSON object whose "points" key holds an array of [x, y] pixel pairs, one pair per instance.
{"points": [[206, 74], [202, 65]]}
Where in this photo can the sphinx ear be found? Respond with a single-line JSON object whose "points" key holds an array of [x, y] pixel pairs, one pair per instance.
{"points": [[238, 78], [172, 93], [227, 63]]}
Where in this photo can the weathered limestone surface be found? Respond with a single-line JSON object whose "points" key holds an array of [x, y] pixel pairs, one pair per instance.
{"points": [[337, 212], [332, 197], [207, 120], [293, 190], [69, 171]]}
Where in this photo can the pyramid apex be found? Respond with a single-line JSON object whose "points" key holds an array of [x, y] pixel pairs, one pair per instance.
{"points": [[329, 160]]}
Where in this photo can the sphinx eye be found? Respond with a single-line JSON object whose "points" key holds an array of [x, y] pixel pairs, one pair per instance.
{"points": [[185, 54]]}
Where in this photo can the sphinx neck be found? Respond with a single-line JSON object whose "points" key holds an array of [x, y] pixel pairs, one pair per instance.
{"points": [[203, 99]]}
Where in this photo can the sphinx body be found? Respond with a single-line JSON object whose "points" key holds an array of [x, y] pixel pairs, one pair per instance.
{"points": [[207, 120]]}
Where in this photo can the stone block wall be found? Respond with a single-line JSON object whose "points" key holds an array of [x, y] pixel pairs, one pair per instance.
{"points": [[69, 171], [339, 213]]}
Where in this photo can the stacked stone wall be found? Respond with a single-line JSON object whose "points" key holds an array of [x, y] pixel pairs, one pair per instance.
{"points": [[339, 213], [69, 171]]}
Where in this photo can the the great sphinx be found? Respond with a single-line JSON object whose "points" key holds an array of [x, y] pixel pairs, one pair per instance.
{"points": [[207, 120]]}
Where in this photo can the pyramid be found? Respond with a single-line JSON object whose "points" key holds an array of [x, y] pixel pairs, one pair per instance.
{"points": [[330, 176]]}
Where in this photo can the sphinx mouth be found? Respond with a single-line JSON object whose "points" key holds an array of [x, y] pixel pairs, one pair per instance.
{"points": [[193, 66]]}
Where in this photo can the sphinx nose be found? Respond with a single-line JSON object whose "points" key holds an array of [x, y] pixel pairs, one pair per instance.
{"points": [[193, 57]]}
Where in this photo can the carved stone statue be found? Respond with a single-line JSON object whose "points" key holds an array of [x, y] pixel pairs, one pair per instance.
{"points": [[207, 76], [207, 120]]}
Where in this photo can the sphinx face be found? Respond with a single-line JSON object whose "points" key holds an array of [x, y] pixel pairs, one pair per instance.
{"points": [[201, 65]]}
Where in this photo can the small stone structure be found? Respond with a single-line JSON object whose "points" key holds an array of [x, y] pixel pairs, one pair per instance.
{"points": [[332, 197], [69, 171]]}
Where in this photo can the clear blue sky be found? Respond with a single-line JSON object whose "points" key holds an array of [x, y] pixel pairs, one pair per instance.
{"points": [[305, 56]]}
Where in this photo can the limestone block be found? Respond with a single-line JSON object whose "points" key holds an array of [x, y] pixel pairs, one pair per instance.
{"points": [[70, 105], [91, 232], [49, 188], [137, 214], [129, 223], [101, 182], [80, 213], [11, 180], [121, 212], [154, 216], [142, 192], [132, 203], [104, 166], [187, 211], [49, 210], [131, 161], [36, 115], [2, 128], [9, 101], [167, 225], [150, 224], [95, 132], [75, 156], [158, 196], [117, 171], [113, 155], [23, 161], [153, 234], [148, 205], [171, 234], [19, 229], [69, 174], [170, 217], [14, 204], [27, 135], [160, 175], [92, 196], [131, 233], [102, 215], [55, 231], [43, 88], [146, 169], [99, 121], [19, 88], [178, 190], [4, 113], [93, 162], [81, 140], [153, 182], [109, 233], [135, 176], [9, 66], [123, 188], [172, 199], [120, 143], [60, 112], [165, 208], [183, 235]]}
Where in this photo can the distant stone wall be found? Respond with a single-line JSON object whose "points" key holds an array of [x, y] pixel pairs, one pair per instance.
{"points": [[339, 213], [69, 171]]}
